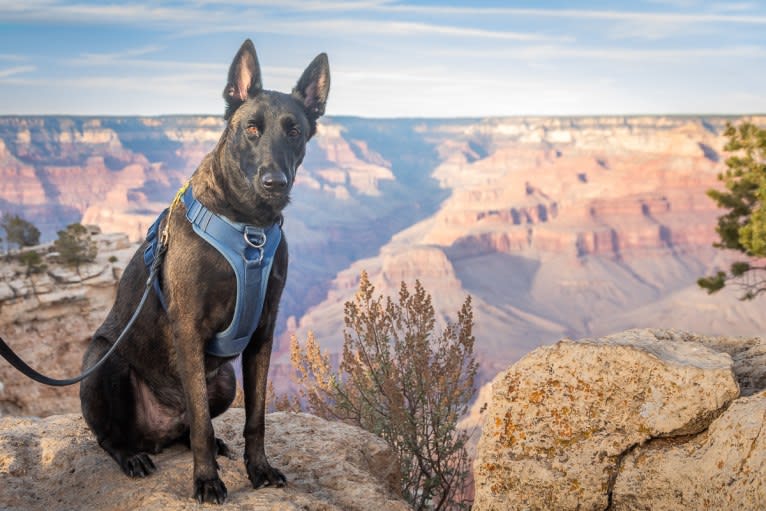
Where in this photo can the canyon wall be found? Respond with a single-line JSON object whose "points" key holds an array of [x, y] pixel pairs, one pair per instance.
{"points": [[556, 227]]}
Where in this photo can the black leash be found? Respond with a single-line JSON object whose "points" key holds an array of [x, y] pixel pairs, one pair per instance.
{"points": [[7, 353]]}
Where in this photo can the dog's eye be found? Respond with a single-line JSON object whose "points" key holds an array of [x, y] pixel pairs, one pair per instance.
{"points": [[293, 132], [253, 130]]}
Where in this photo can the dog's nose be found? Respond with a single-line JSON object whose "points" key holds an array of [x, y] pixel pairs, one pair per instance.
{"points": [[274, 181]]}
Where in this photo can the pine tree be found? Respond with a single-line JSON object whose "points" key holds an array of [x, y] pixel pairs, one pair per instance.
{"points": [[19, 231], [33, 262], [75, 246], [743, 227]]}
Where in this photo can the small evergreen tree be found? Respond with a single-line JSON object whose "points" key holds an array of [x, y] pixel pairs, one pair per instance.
{"points": [[400, 380], [743, 227], [75, 246], [19, 231], [33, 262]]}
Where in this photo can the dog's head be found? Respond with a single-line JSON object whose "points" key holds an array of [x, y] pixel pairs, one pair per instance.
{"points": [[267, 131]]}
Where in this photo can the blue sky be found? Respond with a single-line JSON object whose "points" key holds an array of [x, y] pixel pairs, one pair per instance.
{"points": [[389, 58]]}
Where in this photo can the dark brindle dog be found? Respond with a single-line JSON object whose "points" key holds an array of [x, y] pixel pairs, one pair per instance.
{"points": [[160, 386]]}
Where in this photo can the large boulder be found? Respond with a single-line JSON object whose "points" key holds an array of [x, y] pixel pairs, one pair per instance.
{"points": [[722, 468], [55, 463], [644, 419]]}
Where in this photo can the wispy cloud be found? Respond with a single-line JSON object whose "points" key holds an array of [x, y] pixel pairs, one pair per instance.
{"points": [[366, 27], [96, 59], [110, 14], [306, 6], [17, 70], [405, 28], [558, 52], [52, 10], [613, 15]]}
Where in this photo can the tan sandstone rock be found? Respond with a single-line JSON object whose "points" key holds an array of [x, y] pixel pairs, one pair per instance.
{"points": [[55, 463], [722, 468], [563, 417], [47, 319]]}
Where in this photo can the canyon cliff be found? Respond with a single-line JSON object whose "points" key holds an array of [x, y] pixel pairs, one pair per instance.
{"points": [[556, 227]]}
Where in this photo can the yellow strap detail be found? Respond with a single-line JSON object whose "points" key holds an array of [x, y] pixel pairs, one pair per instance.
{"points": [[173, 205]]}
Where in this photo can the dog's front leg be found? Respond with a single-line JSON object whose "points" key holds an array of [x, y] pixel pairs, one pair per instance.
{"points": [[255, 368], [208, 487]]}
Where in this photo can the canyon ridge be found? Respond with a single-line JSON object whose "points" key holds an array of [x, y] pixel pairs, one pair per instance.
{"points": [[557, 227]]}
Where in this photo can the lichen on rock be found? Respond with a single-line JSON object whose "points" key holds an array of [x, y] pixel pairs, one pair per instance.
{"points": [[572, 426]]}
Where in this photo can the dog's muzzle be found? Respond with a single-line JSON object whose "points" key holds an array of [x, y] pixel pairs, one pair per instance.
{"points": [[274, 181]]}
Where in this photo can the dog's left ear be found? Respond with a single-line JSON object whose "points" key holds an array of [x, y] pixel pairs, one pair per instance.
{"points": [[314, 87], [244, 78]]}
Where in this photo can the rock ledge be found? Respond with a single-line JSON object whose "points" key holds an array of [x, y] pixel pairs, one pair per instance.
{"points": [[55, 464]]}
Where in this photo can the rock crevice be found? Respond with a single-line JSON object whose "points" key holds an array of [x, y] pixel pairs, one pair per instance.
{"points": [[649, 419]]}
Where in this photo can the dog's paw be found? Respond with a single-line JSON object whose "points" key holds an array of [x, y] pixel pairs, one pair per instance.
{"points": [[265, 475], [138, 465], [210, 490]]}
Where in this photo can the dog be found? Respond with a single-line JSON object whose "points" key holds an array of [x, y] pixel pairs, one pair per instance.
{"points": [[160, 386]]}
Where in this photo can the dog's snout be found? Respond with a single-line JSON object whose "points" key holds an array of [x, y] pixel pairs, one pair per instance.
{"points": [[274, 181]]}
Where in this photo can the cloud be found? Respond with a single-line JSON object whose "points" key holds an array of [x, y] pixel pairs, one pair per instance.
{"points": [[611, 15], [12, 71], [354, 26], [60, 12], [225, 11], [98, 59], [408, 28], [556, 52], [304, 5]]}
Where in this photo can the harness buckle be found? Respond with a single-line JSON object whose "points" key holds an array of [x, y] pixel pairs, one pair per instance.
{"points": [[254, 237]]}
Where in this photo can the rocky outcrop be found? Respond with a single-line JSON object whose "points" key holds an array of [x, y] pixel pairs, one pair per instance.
{"points": [[55, 463], [645, 419], [723, 468], [48, 319]]}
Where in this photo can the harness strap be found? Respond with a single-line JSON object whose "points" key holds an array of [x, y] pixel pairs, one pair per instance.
{"points": [[153, 242], [250, 251]]}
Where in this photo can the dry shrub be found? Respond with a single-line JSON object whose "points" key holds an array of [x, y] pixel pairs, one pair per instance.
{"points": [[400, 380]]}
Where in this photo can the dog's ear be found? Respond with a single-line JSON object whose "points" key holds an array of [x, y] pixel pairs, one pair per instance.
{"points": [[244, 78], [313, 88]]}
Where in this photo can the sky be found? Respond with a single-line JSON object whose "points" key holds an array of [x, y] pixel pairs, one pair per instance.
{"points": [[389, 58]]}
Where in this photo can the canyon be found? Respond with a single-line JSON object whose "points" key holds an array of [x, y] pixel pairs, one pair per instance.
{"points": [[557, 227]]}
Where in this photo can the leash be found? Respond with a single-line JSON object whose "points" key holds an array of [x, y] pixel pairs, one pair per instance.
{"points": [[8, 354]]}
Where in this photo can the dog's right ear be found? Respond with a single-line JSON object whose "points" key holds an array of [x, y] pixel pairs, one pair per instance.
{"points": [[244, 78]]}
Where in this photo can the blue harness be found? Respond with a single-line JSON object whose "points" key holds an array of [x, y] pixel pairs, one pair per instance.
{"points": [[249, 250]]}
